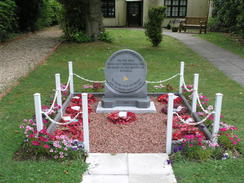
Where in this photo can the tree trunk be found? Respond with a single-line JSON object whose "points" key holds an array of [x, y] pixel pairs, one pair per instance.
{"points": [[94, 24]]}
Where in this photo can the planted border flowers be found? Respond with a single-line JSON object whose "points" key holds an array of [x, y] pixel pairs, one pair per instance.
{"points": [[193, 144]]}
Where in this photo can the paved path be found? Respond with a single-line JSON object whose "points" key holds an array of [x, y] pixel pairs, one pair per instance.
{"points": [[231, 64], [20, 56], [128, 168]]}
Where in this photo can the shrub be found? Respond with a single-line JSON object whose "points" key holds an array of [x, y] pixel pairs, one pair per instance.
{"points": [[228, 16], [154, 25], [28, 12], [104, 36], [73, 20], [7, 19], [49, 13]]}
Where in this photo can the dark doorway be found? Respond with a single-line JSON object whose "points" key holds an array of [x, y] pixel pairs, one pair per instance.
{"points": [[134, 14]]}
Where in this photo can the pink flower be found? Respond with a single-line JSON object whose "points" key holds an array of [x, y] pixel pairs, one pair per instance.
{"points": [[223, 129], [234, 142], [31, 136], [238, 140], [55, 157], [43, 139], [46, 146], [35, 143], [191, 145], [21, 126]]}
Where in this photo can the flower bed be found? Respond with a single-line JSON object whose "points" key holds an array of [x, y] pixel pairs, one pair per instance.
{"points": [[192, 142]]}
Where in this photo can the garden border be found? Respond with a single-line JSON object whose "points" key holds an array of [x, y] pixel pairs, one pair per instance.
{"points": [[169, 140]]}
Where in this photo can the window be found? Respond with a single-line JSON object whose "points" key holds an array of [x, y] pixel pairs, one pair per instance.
{"points": [[108, 8], [176, 8]]}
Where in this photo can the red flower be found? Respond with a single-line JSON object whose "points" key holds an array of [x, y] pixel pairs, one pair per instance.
{"points": [[43, 139], [116, 119], [35, 143], [31, 136], [46, 146]]}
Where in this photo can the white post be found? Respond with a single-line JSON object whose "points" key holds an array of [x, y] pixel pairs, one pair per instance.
{"points": [[195, 93], [38, 111], [169, 123], [217, 114], [182, 67], [58, 88], [85, 122], [71, 84]]}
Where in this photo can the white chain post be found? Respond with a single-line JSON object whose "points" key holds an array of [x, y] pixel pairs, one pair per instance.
{"points": [[169, 123], [38, 111], [85, 122], [217, 114], [195, 93], [71, 76], [182, 67], [58, 89]]}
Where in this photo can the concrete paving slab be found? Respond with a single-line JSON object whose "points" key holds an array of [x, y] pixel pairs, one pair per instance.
{"points": [[105, 179], [128, 168], [105, 164], [152, 179], [220, 57], [150, 109], [149, 164]]}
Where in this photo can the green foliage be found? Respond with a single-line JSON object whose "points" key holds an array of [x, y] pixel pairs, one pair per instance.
{"points": [[228, 16], [104, 36], [49, 13], [154, 25], [76, 36], [28, 12], [7, 19], [196, 152], [73, 20]]}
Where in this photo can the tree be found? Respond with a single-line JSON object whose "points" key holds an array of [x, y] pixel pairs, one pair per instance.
{"points": [[82, 19], [28, 12], [154, 25]]}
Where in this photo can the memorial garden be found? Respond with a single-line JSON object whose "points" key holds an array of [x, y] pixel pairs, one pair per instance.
{"points": [[89, 62]]}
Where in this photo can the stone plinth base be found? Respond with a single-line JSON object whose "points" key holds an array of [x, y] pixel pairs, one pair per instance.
{"points": [[150, 109]]}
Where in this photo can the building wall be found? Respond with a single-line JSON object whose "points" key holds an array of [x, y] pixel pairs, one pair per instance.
{"points": [[120, 15], [195, 8]]}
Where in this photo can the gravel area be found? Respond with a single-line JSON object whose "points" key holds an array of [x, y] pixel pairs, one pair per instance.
{"points": [[20, 56], [146, 135]]}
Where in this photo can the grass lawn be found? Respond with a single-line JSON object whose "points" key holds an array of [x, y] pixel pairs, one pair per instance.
{"points": [[88, 60], [225, 41]]}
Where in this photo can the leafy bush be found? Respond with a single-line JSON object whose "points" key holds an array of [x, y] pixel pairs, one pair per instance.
{"points": [[76, 36], [28, 12], [72, 20], [154, 25], [49, 13], [228, 16], [104, 36], [7, 19]]}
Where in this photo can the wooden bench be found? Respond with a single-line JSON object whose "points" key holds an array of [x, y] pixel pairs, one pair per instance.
{"points": [[194, 23]]}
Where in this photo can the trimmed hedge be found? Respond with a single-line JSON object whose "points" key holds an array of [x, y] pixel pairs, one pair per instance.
{"points": [[7, 19], [154, 25]]}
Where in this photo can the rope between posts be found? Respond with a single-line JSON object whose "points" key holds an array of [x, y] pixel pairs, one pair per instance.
{"points": [[162, 81], [58, 123], [54, 100], [200, 104], [184, 84], [67, 85], [196, 123], [91, 81]]}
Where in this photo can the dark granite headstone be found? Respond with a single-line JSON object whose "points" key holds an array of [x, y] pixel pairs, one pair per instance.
{"points": [[125, 85]]}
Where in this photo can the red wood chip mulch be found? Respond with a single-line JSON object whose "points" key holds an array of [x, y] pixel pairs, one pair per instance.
{"points": [[145, 135]]}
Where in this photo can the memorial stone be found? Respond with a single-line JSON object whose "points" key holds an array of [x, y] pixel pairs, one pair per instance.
{"points": [[125, 85]]}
